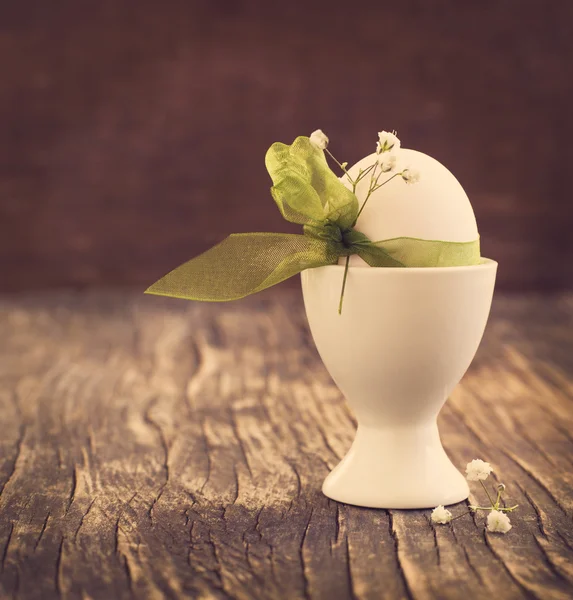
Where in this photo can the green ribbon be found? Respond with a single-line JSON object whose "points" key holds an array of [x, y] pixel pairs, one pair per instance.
{"points": [[308, 193]]}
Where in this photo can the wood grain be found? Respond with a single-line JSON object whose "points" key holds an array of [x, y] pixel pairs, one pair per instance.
{"points": [[133, 135], [160, 449]]}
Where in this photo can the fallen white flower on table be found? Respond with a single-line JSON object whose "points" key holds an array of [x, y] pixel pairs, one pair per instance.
{"points": [[387, 141], [498, 522], [477, 470], [441, 515], [387, 162], [497, 519], [319, 139], [410, 176]]}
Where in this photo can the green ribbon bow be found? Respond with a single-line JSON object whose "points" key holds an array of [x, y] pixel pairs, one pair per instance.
{"points": [[308, 193]]}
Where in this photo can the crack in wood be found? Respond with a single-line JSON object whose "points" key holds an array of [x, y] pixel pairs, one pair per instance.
{"points": [[44, 525], [58, 577], [527, 593], [7, 546], [515, 459], [77, 531], [207, 453], [73, 488], [536, 509], [396, 541], [349, 570], [305, 581], [240, 443], [12, 471], [549, 563], [466, 555], [435, 538]]}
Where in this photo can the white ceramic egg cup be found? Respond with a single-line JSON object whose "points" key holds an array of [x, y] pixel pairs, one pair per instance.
{"points": [[405, 338]]}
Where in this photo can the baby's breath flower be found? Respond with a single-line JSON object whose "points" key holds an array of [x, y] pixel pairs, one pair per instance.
{"points": [[498, 522], [387, 141], [387, 162], [410, 176], [319, 139], [478, 469], [441, 515]]}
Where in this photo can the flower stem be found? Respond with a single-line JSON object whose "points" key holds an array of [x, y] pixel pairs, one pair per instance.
{"points": [[365, 172], [334, 159], [488, 496], [497, 499], [373, 189], [361, 176], [343, 168], [354, 182], [362, 207], [502, 509], [343, 285], [376, 187], [462, 515]]}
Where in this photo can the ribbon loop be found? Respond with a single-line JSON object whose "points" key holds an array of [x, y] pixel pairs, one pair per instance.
{"points": [[304, 187]]}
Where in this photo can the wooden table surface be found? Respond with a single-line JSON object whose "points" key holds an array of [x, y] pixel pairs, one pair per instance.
{"points": [[153, 448]]}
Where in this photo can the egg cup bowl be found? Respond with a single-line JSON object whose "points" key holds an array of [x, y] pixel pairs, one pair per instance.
{"points": [[405, 338]]}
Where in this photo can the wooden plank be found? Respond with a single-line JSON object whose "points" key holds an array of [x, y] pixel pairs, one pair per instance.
{"points": [[161, 449]]}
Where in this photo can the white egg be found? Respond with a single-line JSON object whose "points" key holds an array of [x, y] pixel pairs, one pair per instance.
{"points": [[434, 208]]}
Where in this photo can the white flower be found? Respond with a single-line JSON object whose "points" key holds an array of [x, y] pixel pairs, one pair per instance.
{"points": [[498, 522], [441, 515], [387, 141], [410, 176], [319, 139], [478, 469], [387, 162]]}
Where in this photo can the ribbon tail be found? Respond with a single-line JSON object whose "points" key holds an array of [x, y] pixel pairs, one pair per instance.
{"points": [[243, 264], [415, 252]]}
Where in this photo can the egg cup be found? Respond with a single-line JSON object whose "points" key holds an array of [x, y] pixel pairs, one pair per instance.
{"points": [[405, 338]]}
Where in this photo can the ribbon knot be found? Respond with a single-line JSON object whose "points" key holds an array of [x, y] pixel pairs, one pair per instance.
{"points": [[346, 238]]}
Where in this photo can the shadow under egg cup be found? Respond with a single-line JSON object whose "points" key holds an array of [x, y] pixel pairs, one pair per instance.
{"points": [[405, 338]]}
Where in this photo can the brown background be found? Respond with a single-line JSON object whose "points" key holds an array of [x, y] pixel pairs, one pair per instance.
{"points": [[133, 133]]}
